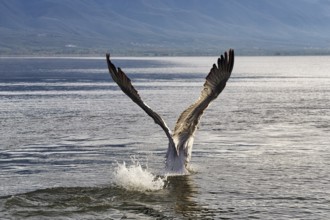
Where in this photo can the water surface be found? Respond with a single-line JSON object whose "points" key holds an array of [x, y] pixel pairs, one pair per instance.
{"points": [[261, 151]]}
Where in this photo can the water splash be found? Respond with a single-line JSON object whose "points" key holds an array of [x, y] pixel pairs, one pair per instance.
{"points": [[134, 177]]}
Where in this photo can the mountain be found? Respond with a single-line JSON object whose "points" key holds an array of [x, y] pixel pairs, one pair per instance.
{"points": [[164, 27]]}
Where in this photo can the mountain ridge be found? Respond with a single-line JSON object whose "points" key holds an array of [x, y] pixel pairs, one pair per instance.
{"points": [[156, 27]]}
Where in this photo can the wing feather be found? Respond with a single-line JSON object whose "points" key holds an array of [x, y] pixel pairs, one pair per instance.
{"points": [[215, 82], [126, 86]]}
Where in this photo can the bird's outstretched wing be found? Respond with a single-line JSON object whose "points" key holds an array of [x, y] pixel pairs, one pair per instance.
{"points": [[215, 83], [126, 86]]}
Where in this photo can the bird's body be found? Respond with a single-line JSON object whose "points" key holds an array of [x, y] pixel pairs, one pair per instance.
{"points": [[179, 155], [181, 139]]}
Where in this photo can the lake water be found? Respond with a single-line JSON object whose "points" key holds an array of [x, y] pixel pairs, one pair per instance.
{"points": [[262, 149]]}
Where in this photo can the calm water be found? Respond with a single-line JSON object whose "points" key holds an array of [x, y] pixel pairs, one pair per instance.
{"points": [[262, 150]]}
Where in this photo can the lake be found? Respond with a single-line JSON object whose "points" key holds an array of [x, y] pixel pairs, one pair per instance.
{"points": [[73, 146]]}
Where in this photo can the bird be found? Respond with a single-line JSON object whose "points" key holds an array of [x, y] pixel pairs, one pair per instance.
{"points": [[181, 139]]}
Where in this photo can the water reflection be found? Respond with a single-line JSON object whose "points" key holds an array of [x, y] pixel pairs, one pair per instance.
{"points": [[185, 192]]}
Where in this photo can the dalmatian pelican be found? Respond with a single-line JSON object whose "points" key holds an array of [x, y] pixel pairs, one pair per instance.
{"points": [[182, 137]]}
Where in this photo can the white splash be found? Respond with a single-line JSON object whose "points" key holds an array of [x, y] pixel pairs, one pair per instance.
{"points": [[134, 177]]}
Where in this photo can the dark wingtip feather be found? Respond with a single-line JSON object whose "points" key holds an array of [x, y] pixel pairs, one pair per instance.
{"points": [[112, 68], [231, 59]]}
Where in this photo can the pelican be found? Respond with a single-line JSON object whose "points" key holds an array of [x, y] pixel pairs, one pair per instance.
{"points": [[181, 139]]}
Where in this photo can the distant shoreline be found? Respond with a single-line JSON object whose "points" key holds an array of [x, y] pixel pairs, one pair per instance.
{"points": [[118, 56], [170, 52]]}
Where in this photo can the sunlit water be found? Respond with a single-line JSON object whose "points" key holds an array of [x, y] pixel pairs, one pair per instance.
{"points": [[73, 146]]}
